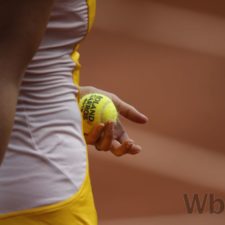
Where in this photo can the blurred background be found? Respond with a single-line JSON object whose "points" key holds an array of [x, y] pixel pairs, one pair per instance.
{"points": [[167, 58]]}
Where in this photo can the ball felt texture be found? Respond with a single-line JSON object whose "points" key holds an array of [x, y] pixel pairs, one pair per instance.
{"points": [[96, 108]]}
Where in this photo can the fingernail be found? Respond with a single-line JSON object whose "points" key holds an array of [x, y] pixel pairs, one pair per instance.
{"points": [[101, 126], [137, 150], [145, 117], [129, 145]]}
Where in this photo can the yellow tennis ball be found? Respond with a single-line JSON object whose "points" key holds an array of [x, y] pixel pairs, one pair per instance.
{"points": [[96, 108]]}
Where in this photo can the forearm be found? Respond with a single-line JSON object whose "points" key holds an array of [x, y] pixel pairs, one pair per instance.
{"points": [[22, 25], [8, 99]]}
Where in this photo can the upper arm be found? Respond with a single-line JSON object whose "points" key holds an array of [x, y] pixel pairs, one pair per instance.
{"points": [[22, 24]]}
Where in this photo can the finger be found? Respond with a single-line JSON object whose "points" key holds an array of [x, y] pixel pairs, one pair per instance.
{"points": [[129, 111], [121, 134], [119, 149], [95, 134], [105, 141], [134, 149]]}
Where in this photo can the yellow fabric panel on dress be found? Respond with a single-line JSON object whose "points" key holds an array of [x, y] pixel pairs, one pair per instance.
{"points": [[91, 11], [75, 55], [77, 210], [76, 73]]}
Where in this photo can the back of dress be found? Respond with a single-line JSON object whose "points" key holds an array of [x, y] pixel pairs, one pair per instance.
{"points": [[46, 158]]}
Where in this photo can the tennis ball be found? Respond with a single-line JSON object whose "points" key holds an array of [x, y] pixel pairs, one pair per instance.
{"points": [[96, 108]]}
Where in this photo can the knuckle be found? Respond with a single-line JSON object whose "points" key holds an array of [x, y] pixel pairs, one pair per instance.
{"points": [[98, 147], [113, 96], [103, 147]]}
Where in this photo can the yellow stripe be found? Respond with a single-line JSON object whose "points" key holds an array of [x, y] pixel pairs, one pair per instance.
{"points": [[91, 4], [76, 73], [79, 209], [48, 208], [91, 12]]}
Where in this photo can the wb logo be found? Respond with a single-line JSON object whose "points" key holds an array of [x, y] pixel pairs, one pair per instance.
{"points": [[208, 203]]}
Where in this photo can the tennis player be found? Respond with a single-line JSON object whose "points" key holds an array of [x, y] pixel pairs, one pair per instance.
{"points": [[44, 175]]}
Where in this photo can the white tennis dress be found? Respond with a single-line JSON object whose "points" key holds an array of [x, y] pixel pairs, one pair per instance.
{"points": [[45, 161]]}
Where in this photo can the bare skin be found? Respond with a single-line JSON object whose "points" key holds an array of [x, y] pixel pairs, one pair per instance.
{"points": [[22, 25]]}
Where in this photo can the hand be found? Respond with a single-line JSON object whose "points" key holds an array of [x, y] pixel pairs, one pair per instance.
{"points": [[113, 136]]}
